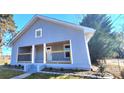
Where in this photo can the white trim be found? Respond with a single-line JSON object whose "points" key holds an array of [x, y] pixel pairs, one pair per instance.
{"points": [[22, 30], [50, 49], [87, 50], [24, 53], [44, 53], [24, 61], [17, 55], [60, 61], [65, 50], [78, 27], [71, 52], [33, 54], [64, 23], [39, 29]]}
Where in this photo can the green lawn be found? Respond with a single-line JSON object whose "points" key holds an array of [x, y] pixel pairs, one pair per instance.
{"points": [[51, 76], [8, 73]]}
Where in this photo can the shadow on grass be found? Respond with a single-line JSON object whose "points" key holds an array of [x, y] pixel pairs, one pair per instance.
{"points": [[51, 76], [6, 73]]}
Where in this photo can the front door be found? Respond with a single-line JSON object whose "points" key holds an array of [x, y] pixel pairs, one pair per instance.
{"points": [[49, 53]]}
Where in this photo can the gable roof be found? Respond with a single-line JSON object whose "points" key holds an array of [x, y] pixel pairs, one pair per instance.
{"points": [[87, 30]]}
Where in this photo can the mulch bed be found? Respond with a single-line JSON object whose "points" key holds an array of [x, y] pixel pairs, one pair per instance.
{"points": [[82, 73]]}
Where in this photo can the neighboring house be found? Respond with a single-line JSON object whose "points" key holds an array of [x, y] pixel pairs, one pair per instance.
{"points": [[4, 58], [46, 42]]}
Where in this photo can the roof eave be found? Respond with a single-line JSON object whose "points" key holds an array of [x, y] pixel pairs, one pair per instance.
{"points": [[78, 27]]}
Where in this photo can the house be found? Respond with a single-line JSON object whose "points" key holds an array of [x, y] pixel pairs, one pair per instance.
{"points": [[47, 42], [4, 59]]}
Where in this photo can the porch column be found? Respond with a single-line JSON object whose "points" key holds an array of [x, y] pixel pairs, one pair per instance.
{"points": [[44, 53], [71, 56], [33, 53]]}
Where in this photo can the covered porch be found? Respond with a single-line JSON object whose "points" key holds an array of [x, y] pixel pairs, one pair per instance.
{"points": [[47, 53]]}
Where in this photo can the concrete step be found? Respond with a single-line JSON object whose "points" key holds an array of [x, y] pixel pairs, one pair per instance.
{"points": [[34, 68]]}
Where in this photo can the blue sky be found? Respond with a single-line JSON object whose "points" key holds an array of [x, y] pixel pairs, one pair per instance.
{"points": [[22, 19]]}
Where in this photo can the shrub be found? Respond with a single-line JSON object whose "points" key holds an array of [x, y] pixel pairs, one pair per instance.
{"points": [[22, 67], [16, 66], [122, 73], [50, 68], [76, 69], [101, 69], [19, 65], [61, 69], [5, 64]]}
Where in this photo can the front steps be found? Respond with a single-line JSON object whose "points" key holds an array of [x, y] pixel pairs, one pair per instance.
{"points": [[33, 68]]}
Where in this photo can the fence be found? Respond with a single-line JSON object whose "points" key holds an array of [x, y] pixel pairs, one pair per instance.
{"points": [[114, 66], [114, 62]]}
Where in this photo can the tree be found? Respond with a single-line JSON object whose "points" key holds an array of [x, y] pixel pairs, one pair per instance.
{"points": [[100, 45], [119, 44], [7, 29]]}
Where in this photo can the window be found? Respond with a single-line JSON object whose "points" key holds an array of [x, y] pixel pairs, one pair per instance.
{"points": [[24, 54], [38, 33], [67, 51], [66, 47], [48, 48], [67, 54]]}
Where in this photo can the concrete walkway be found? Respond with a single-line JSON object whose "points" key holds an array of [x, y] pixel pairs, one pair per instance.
{"points": [[22, 76]]}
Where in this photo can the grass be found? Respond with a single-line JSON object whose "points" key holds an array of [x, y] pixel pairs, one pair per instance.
{"points": [[51, 76], [8, 73]]}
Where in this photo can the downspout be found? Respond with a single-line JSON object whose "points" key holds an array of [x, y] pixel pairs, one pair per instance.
{"points": [[87, 50]]}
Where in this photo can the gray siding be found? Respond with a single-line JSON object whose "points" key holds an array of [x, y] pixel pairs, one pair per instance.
{"points": [[52, 33], [39, 54]]}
